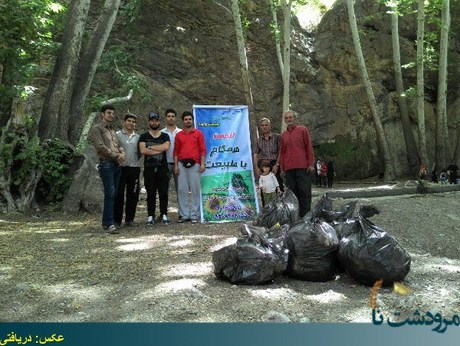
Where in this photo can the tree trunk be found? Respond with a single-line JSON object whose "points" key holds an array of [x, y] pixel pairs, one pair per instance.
{"points": [[57, 102], [87, 68], [286, 7], [277, 38], [413, 157], [244, 67], [389, 173], [442, 134], [420, 83]]}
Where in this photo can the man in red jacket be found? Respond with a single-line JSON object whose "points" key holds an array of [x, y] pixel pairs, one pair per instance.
{"points": [[297, 160], [189, 163]]}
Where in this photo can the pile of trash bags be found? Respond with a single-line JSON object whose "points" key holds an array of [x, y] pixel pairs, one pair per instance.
{"points": [[324, 243]]}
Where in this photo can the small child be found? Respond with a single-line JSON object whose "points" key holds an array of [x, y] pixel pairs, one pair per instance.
{"points": [[268, 184]]}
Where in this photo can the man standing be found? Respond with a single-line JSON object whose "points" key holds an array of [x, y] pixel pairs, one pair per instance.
{"points": [[297, 160], [111, 157], [267, 148], [153, 145], [171, 129], [189, 163], [130, 171]]}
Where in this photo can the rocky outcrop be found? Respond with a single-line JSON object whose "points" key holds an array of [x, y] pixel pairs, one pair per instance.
{"points": [[185, 52]]}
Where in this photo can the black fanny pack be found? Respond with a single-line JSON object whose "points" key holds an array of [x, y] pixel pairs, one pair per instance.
{"points": [[188, 162]]}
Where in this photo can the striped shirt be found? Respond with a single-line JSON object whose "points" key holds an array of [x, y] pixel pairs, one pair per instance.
{"points": [[268, 149]]}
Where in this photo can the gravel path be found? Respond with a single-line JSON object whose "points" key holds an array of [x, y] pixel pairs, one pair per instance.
{"points": [[58, 267]]}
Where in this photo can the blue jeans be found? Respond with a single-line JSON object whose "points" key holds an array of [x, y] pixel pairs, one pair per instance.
{"points": [[109, 172]]}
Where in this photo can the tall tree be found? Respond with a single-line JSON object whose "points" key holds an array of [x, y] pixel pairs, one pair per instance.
{"points": [[421, 83], [442, 135], [286, 7], [59, 94], [87, 67], [244, 67], [283, 50], [389, 164], [74, 70], [411, 145]]}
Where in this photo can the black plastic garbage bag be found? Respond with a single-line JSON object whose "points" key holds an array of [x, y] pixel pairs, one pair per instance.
{"points": [[312, 251], [368, 253], [283, 210], [324, 210], [256, 258], [344, 228]]}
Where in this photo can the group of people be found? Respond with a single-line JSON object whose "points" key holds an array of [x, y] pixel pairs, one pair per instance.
{"points": [[168, 152], [447, 175], [324, 173], [289, 156], [181, 153]]}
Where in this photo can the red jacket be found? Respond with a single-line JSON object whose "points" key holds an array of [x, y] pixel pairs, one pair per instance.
{"points": [[296, 149], [190, 145]]}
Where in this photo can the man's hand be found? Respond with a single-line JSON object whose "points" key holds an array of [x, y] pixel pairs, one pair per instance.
{"points": [[121, 159]]}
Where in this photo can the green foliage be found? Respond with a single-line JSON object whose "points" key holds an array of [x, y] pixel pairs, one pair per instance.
{"points": [[130, 12], [26, 34], [57, 158], [118, 60], [22, 155]]}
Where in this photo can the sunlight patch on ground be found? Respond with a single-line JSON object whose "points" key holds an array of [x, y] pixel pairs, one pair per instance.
{"points": [[188, 269], [137, 245], [178, 285], [60, 240], [181, 243], [225, 242], [274, 293], [6, 221], [327, 297]]}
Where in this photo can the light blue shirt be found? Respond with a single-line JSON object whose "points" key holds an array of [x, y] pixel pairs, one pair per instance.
{"points": [[172, 138]]}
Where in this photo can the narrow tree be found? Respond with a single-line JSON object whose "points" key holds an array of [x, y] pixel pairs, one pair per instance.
{"points": [[244, 67], [87, 67], [420, 83], [389, 173], [283, 50], [411, 145], [442, 143]]}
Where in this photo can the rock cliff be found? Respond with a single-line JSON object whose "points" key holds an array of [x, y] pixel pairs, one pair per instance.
{"points": [[185, 52]]}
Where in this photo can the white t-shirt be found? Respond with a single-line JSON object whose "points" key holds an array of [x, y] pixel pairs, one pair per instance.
{"points": [[268, 183]]}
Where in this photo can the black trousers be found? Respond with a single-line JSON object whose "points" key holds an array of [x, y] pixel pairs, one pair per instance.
{"points": [[129, 183], [299, 181], [157, 180]]}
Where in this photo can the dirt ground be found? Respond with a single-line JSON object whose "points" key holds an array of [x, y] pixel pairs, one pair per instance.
{"points": [[64, 268]]}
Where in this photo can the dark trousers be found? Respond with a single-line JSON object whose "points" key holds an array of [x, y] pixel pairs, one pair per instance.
{"points": [[109, 171], [129, 183], [299, 181], [330, 180], [157, 180]]}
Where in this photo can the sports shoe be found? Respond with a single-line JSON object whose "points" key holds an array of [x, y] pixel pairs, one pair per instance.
{"points": [[165, 220], [112, 230], [180, 220], [150, 223], [130, 224], [194, 221]]}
